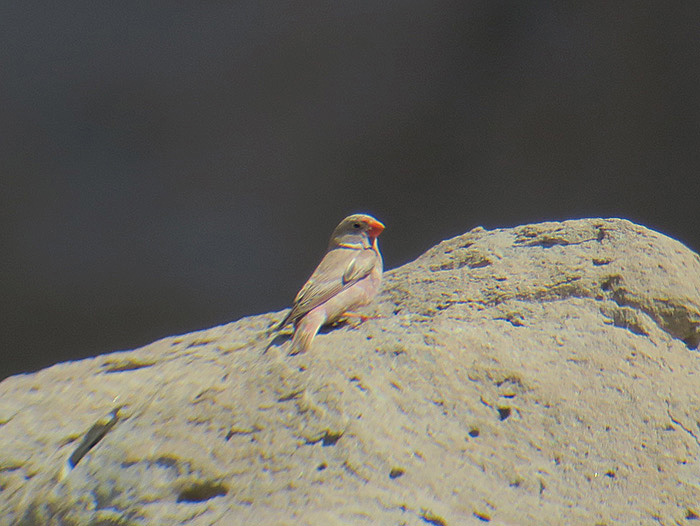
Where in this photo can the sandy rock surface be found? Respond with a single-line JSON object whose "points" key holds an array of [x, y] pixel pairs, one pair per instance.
{"points": [[544, 374]]}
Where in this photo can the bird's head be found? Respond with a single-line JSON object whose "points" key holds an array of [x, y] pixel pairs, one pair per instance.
{"points": [[356, 231]]}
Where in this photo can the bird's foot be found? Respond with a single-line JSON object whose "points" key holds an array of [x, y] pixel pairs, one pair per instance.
{"points": [[360, 317]]}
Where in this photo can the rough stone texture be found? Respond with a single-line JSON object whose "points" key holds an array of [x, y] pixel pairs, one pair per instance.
{"points": [[545, 374]]}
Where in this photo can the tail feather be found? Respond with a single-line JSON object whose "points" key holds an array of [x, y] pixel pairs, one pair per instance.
{"points": [[301, 342], [306, 330]]}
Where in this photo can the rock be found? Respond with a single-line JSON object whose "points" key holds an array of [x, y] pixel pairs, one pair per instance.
{"points": [[544, 374]]}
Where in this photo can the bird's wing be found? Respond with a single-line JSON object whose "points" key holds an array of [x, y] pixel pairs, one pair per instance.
{"points": [[338, 270]]}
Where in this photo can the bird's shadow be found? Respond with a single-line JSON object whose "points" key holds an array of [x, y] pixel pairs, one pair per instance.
{"points": [[279, 339], [282, 337], [334, 326]]}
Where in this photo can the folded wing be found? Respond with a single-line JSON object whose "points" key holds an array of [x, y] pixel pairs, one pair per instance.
{"points": [[338, 270]]}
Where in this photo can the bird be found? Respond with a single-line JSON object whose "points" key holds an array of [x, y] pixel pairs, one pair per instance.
{"points": [[348, 277]]}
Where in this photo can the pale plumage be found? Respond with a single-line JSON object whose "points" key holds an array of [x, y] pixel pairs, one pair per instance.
{"points": [[348, 277]]}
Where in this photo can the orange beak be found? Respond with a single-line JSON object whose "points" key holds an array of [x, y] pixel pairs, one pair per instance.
{"points": [[375, 228]]}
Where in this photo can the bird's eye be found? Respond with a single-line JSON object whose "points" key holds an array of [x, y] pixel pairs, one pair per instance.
{"points": [[356, 225]]}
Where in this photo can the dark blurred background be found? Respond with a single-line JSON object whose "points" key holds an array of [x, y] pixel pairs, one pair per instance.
{"points": [[170, 166]]}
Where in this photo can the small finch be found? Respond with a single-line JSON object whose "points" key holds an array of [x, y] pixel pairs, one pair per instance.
{"points": [[348, 277]]}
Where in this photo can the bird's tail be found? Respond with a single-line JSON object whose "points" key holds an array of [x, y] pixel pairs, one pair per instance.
{"points": [[306, 331]]}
